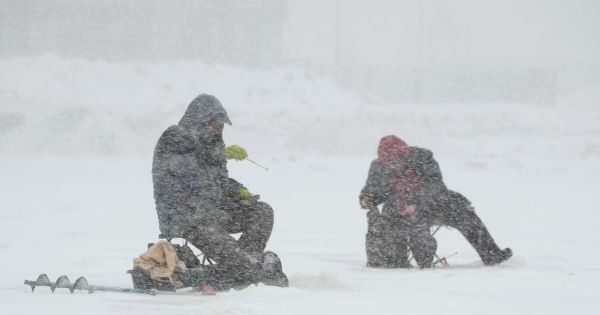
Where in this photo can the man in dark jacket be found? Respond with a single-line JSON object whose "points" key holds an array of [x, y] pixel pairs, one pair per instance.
{"points": [[196, 199], [408, 182]]}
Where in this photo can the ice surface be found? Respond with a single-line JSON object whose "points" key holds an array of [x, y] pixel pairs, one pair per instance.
{"points": [[76, 190]]}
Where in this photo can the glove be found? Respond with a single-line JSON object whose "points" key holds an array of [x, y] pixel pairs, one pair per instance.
{"points": [[235, 152], [244, 194], [365, 203]]}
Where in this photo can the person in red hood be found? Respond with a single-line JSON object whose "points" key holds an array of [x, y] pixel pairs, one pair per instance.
{"points": [[408, 182]]}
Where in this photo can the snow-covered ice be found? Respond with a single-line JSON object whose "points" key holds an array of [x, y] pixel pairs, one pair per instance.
{"points": [[76, 190]]}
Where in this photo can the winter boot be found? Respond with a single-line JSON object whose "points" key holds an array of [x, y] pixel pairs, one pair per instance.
{"points": [[481, 240], [272, 271], [498, 257]]}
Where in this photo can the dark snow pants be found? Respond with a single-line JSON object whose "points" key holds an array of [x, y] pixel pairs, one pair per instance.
{"points": [[390, 238], [255, 222], [454, 210]]}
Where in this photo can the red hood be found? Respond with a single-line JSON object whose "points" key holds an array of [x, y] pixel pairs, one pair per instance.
{"points": [[392, 148]]}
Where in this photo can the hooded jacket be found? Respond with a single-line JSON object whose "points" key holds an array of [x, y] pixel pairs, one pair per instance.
{"points": [[403, 175], [189, 170]]}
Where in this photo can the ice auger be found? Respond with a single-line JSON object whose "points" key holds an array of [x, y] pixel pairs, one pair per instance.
{"points": [[80, 284]]}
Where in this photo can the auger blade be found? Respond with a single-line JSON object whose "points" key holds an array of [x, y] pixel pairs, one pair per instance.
{"points": [[42, 280], [81, 284], [62, 282]]}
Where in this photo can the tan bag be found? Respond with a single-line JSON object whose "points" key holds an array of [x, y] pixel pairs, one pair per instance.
{"points": [[159, 260]]}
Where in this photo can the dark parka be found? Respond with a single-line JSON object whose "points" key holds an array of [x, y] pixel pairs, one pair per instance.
{"points": [[430, 187], [189, 170], [435, 204], [195, 198]]}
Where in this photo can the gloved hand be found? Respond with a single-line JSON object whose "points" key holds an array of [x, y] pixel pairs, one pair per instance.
{"points": [[365, 203], [245, 194], [235, 152]]}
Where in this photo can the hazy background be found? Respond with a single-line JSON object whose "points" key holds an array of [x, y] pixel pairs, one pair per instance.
{"points": [[404, 51], [106, 77]]}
